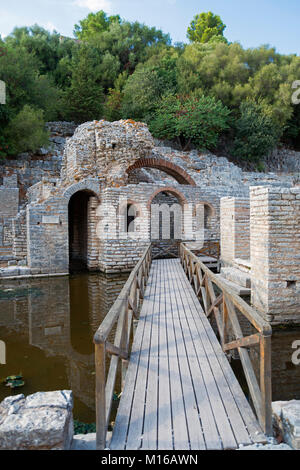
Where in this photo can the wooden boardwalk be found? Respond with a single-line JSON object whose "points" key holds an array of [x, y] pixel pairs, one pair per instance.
{"points": [[180, 391]]}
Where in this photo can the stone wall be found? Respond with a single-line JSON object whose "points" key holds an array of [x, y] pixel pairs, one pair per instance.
{"points": [[235, 229], [47, 236], [275, 252]]}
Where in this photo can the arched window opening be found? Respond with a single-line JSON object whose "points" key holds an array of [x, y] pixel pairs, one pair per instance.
{"points": [[207, 216], [131, 215]]}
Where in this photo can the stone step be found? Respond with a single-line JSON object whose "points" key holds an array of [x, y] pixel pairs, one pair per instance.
{"points": [[238, 277], [237, 289]]}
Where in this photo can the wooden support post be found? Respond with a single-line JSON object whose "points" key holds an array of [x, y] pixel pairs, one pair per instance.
{"points": [[124, 346], [225, 323], [100, 396], [266, 383]]}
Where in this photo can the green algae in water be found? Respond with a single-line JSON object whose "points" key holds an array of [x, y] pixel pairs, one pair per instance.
{"points": [[14, 381]]}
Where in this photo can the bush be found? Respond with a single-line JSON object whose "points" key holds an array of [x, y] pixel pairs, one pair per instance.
{"points": [[256, 132], [26, 131], [197, 121]]}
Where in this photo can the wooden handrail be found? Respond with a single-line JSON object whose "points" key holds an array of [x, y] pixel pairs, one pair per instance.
{"points": [[121, 314], [224, 305]]}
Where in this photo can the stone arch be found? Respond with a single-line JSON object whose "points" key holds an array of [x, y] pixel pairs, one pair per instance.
{"points": [[207, 204], [167, 217], [85, 185], [180, 175]]}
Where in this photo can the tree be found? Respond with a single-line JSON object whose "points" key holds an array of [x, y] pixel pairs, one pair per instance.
{"points": [[26, 131], [256, 132], [191, 120], [83, 101], [94, 24], [206, 27], [146, 87]]}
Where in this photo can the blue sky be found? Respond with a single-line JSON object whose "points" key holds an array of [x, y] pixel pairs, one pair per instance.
{"points": [[252, 23]]}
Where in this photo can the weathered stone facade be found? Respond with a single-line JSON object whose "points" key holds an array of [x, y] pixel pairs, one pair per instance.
{"points": [[109, 169]]}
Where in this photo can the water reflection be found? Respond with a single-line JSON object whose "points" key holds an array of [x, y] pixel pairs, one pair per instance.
{"points": [[48, 326]]}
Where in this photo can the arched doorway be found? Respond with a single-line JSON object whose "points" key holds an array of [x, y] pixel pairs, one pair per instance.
{"points": [[167, 209], [82, 230]]}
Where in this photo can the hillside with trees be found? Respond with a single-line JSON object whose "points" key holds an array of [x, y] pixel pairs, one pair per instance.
{"points": [[206, 93]]}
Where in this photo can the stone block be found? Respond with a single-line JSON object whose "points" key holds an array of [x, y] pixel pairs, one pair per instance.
{"points": [[42, 421], [286, 421]]}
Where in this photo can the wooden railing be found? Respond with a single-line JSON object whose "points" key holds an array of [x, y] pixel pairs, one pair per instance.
{"points": [[220, 301], [211, 248], [121, 315]]}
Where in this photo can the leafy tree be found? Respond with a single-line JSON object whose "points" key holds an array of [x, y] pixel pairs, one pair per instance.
{"points": [[147, 85], [94, 24], [42, 44], [83, 101], [256, 132], [113, 105], [26, 131], [197, 121], [206, 27]]}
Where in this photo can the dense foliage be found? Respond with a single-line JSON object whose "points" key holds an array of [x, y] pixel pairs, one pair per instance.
{"points": [[197, 121], [193, 93]]}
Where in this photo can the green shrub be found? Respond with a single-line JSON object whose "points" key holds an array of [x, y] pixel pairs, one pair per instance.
{"points": [[26, 131], [197, 121]]}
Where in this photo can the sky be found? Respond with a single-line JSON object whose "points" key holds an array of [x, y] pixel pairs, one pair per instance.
{"points": [[252, 22]]}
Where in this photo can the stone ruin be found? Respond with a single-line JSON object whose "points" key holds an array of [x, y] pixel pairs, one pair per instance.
{"points": [[56, 211]]}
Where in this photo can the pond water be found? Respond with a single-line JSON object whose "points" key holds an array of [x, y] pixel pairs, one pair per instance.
{"points": [[47, 325]]}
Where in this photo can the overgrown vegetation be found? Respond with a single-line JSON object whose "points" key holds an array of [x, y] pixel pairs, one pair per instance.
{"points": [[193, 93]]}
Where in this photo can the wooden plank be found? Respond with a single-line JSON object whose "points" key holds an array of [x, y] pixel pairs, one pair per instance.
{"points": [[164, 431], [178, 378], [211, 434], [180, 431], [119, 435], [135, 428], [247, 414], [151, 406], [230, 424], [195, 432]]}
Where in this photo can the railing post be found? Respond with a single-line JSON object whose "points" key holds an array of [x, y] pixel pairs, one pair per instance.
{"points": [[124, 346], [100, 396], [225, 322], [266, 383]]}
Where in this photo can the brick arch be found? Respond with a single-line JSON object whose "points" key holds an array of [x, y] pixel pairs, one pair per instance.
{"points": [[85, 185], [167, 189], [180, 175], [204, 203]]}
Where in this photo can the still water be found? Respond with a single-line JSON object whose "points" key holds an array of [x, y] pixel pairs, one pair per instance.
{"points": [[48, 326]]}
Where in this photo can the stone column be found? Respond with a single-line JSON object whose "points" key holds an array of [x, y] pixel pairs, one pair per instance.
{"points": [[275, 252]]}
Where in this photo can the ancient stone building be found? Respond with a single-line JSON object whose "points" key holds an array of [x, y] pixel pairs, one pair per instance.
{"points": [[113, 189]]}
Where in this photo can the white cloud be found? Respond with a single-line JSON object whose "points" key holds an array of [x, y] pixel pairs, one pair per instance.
{"points": [[95, 5], [50, 27]]}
